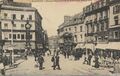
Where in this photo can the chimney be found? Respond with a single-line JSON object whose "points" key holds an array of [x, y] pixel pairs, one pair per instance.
{"points": [[67, 18]]}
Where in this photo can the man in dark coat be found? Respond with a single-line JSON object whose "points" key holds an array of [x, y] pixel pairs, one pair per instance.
{"points": [[56, 62], [5, 61], [89, 59], [96, 62], [40, 61], [35, 55]]}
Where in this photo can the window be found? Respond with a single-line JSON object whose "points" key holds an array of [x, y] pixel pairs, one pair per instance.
{"points": [[22, 17], [14, 25], [22, 36], [101, 14], [22, 25], [116, 9], [75, 29], [116, 35], [9, 36], [116, 19], [80, 28], [69, 29], [14, 36], [0, 25], [5, 15], [30, 36], [76, 38], [30, 17], [66, 29], [14, 16], [6, 26], [81, 36], [18, 36]]}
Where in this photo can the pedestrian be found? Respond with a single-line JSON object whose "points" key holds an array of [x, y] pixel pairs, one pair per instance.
{"points": [[5, 61], [35, 55], [52, 60], [26, 53], [96, 62], [10, 59], [116, 67], [56, 62], [85, 60], [89, 59], [40, 61], [2, 69]]}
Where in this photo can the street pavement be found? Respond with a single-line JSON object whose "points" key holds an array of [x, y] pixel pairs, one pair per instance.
{"points": [[69, 67]]}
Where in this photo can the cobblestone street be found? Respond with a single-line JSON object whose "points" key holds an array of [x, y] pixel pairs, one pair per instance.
{"points": [[68, 67]]}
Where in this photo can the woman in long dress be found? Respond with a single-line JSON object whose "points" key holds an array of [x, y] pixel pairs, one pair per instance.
{"points": [[117, 66]]}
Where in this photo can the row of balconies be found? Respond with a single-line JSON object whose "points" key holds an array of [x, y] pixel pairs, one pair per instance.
{"points": [[95, 6], [105, 18], [96, 32]]}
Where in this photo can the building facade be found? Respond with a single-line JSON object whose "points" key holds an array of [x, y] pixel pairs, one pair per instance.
{"points": [[71, 33], [98, 29], [53, 42], [97, 24], [12, 23], [114, 26]]}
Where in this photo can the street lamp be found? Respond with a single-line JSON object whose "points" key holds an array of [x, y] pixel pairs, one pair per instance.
{"points": [[11, 47], [28, 26]]}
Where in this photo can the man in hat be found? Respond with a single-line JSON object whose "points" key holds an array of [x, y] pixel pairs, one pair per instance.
{"points": [[40, 61], [56, 62]]}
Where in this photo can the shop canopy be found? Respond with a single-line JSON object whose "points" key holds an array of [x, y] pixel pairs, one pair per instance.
{"points": [[80, 46], [113, 45], [101, 46], [89, 46]]}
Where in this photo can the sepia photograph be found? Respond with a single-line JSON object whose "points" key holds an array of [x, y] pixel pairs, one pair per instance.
{"points": [[59, 37]]}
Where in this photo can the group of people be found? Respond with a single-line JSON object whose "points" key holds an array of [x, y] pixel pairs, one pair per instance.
{"points": [[40, 60], [6, 60], [88, 60]]}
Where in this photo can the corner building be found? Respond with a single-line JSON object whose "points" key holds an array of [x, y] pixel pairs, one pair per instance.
{"points": [[18, 13]]}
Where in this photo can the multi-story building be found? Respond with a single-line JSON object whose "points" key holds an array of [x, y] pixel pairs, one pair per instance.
{"points": [[13, 16], [71, 33], [114, 28], [97, 24]]}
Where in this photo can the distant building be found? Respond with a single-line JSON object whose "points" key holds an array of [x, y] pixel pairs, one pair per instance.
{"points": [[53, 42], [18, 13]]}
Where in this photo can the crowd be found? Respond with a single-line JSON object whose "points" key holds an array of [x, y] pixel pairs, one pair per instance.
{"points": [[40, 60]]}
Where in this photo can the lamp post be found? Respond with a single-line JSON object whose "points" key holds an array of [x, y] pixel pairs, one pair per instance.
{"points": [[28, 26], [11, 47]]}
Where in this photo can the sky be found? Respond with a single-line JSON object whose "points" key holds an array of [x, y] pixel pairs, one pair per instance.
{"points": [[53, 12]]}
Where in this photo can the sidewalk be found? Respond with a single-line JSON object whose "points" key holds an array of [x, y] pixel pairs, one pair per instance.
{"points": [[68, 67]]}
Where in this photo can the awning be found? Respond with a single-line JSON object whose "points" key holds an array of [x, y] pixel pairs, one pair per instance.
{"points": [[79, 46], [113, 45], [89, 46], [101, 46], [16, 45]]}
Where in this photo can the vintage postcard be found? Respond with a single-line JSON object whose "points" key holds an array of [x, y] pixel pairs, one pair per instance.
{"points": [[59, 37]]}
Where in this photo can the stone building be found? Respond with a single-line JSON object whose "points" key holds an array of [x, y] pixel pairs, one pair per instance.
{"points": [[12, 24], [53, 42], [72, 32], [97, 25]]}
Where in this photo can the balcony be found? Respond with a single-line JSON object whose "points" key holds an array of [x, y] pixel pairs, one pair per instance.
{"points": [[101, 19], [105, 17], [89, 34], [95, 20]]}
